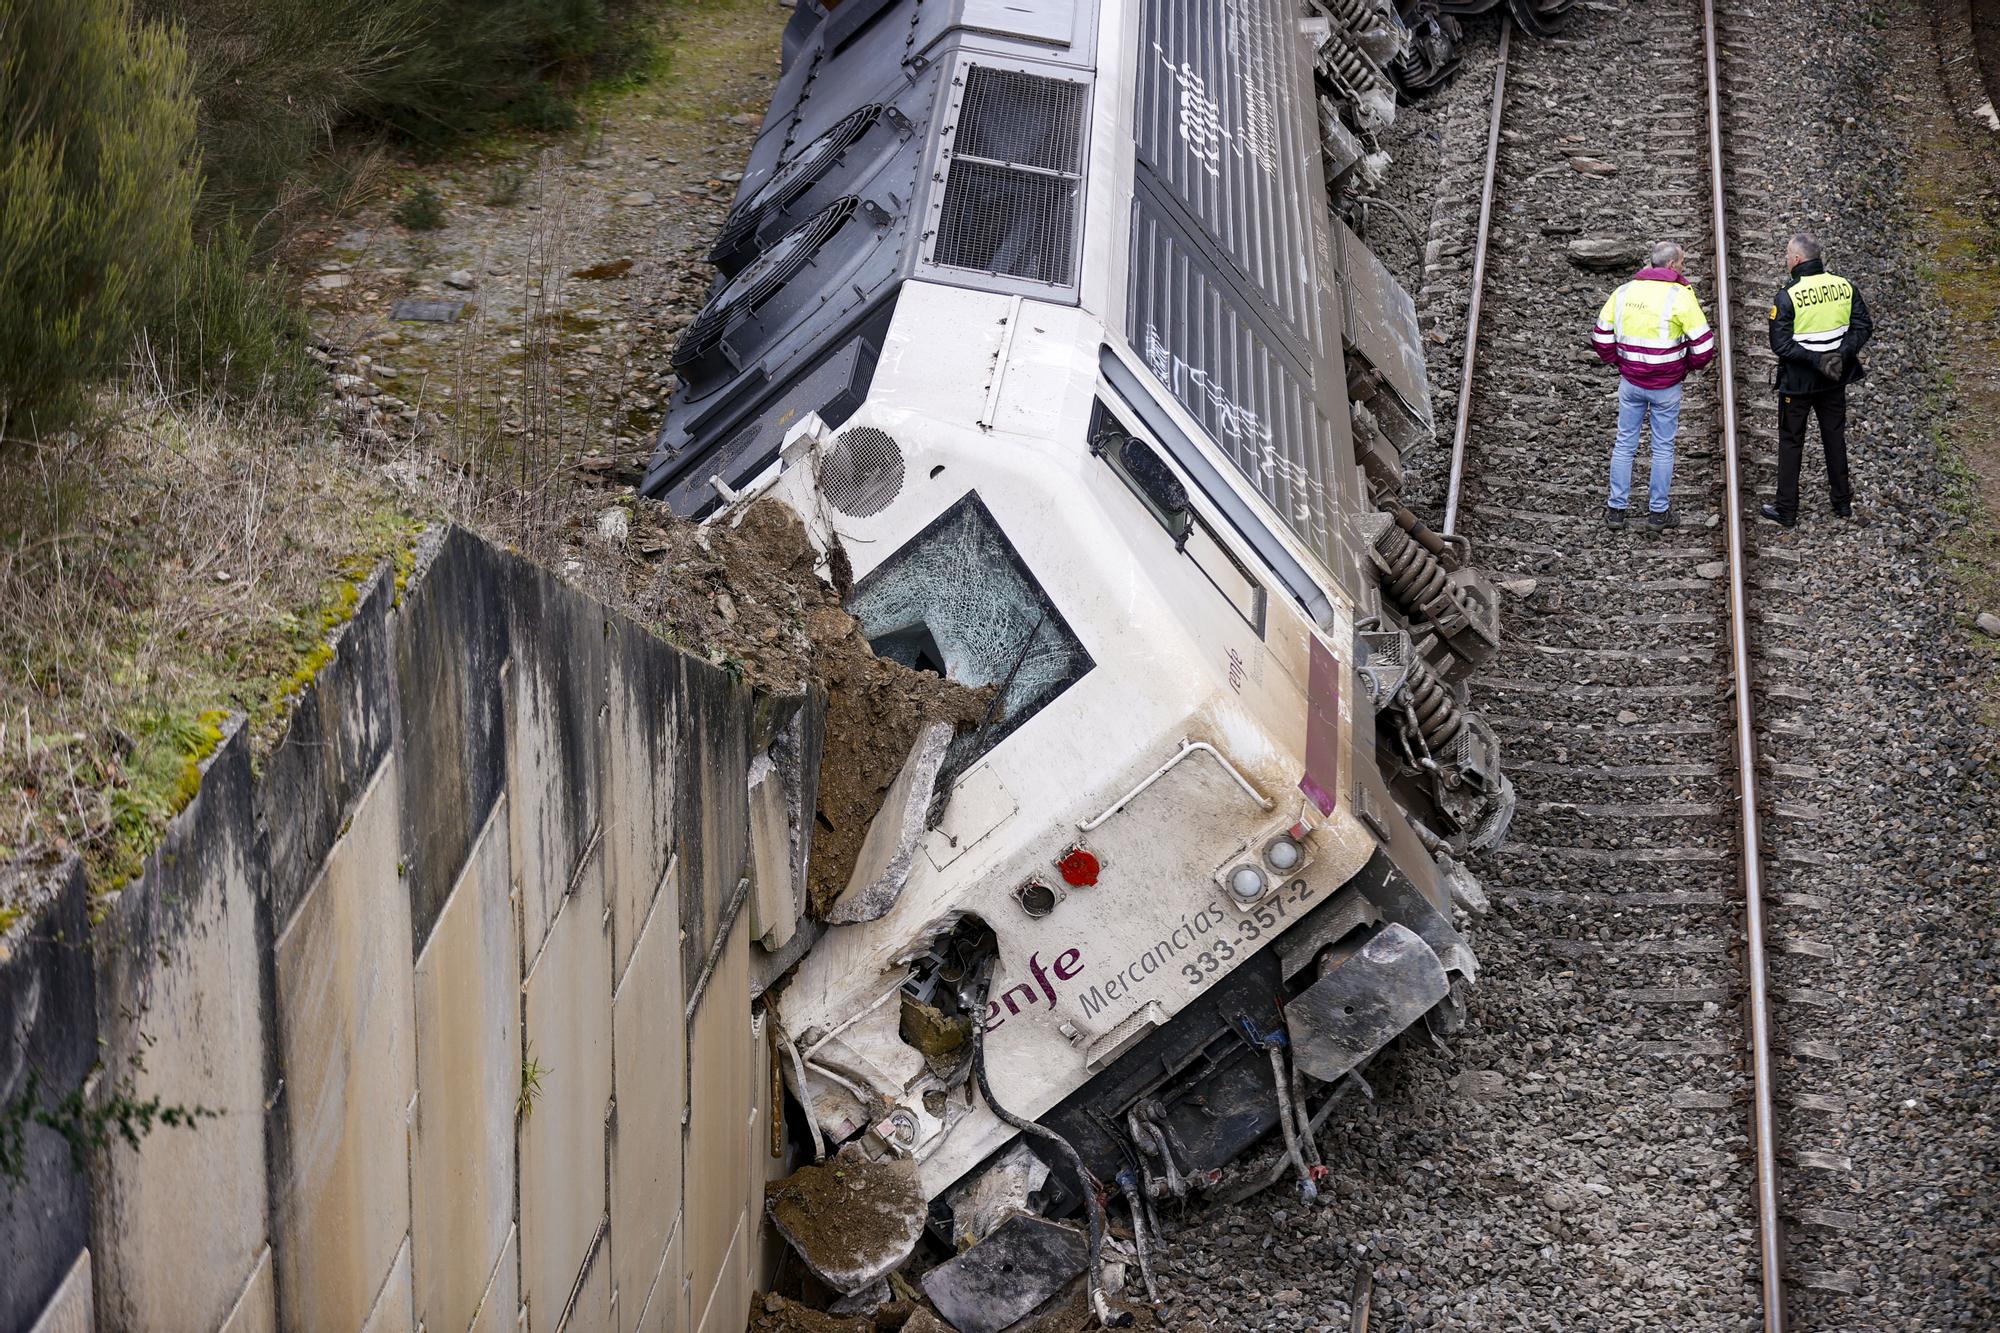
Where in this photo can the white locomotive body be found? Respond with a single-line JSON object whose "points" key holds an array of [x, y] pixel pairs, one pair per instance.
{"points": [[1040, 309]]}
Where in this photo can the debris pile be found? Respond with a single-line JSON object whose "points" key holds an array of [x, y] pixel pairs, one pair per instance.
{"points": [[747, 591]]}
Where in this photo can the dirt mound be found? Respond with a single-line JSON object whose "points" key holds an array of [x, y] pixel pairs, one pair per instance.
{"points": [[748, 595]]}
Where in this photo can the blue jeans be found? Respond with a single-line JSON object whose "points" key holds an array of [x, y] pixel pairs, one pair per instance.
{"points": [[1634, 406]]}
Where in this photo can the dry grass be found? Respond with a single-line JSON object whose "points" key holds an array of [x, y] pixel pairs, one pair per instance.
{"points": [[175, 565], [507, 428], [186, 559]]}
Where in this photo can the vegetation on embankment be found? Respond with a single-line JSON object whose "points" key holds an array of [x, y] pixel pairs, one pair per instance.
{"points": [[155, 155], [180, 529]]}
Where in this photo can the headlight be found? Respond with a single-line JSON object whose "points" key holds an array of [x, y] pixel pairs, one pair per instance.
{"points": [[1282, 854], [1247, 883]]}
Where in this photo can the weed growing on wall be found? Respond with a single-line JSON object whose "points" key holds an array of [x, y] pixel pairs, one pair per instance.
{"points": [[85, 1128], [532, 1073]]}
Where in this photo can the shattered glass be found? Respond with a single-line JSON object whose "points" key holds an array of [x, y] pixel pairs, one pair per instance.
{"points": [[958, 592]]}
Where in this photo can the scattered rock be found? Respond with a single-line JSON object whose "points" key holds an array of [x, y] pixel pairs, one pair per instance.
{"points": [[427, 312], [1989, 624], [639, 199], [852, 1219], [462, 279], [1712, 569], [332, 282], [1606, 254], [1628, 717], [614, 525], [1594, 166], [1518, 587]]}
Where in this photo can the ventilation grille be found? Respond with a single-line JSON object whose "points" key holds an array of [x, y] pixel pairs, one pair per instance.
{"points": [[760, 281], [1011, 197], [863, 473], [1022, 120], [793, 177]]}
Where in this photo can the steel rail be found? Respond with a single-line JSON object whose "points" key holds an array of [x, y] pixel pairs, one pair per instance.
{"points": [[1463, 428], [1770, 1225]]}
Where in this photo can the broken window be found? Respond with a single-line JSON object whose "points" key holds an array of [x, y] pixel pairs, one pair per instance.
{"points": [[957, 599]]}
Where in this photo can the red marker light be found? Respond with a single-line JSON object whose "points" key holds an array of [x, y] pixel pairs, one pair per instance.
{"points": [[1079, 868]]}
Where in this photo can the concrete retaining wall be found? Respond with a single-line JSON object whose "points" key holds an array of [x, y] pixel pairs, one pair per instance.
{"points": [[428, 970]]}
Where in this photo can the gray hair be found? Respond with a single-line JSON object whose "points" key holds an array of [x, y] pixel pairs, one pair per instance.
{"points": [[1806, 244], [1667, 255]]}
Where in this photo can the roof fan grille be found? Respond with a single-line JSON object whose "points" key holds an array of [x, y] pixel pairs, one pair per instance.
{"points": [[1022, 119], [863, 473], [1015, 182], [761, 280], [793, 177]]}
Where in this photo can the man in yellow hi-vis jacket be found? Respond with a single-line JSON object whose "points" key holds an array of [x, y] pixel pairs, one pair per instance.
{"points": [[1653, 331], [1818, 324]]}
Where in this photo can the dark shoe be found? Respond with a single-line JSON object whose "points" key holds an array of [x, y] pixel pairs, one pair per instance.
{"points": [[1663, 518], [1613, 518], [1770, 511], [1843, 510]]}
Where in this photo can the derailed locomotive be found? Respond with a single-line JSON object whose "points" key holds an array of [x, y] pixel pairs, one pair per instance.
{"points": [[1047, 315]]}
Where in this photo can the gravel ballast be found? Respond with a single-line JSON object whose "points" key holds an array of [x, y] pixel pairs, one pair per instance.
{"points": [[1579, 1158]]}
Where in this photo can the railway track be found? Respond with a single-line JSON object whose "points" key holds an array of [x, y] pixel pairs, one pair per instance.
{"points": [[1664, 844]]}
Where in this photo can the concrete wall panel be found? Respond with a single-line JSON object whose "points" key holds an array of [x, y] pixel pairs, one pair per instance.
{"points": [[468, 1042], [48, 1034], [568, 1035], [494, 779], [594, 1301], [346, 1021], [500, 1304], [728, 1306], [556, 741], [449, 640], [340, 729], [256, 1308], [665, 1307], [70, 1309], [392, 1312], [649, 1056], [181, 1219], [723, 1095], [640, 740], [711, 782]]}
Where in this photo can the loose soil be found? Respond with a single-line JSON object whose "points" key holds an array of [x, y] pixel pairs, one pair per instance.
{"points": [[846, 1214], [748, 595]]}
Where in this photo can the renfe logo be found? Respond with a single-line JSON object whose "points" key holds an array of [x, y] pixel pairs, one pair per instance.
{"points": [[1067, 964]]}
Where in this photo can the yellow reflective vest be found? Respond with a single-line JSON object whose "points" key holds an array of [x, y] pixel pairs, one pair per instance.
{"points": [[1813, 313], [1653, 330]]}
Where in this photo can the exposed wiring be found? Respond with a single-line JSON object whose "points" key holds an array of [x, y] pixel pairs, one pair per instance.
{"points": [[1307, 1190], [1094, 1205], [805, 1096], [1128, 1185]]}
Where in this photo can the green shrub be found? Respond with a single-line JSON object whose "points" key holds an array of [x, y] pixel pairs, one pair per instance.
{"points": [[97, 192], [477, 65], [504, 188], [274, 79], [420, 210], [235, 328]]}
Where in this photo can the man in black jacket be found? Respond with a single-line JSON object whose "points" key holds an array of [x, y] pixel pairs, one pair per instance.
{"points": [[1818, 324]]}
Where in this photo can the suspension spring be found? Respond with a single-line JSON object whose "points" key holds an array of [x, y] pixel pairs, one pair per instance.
{"points": [[1416, 580], [1436, 712]]}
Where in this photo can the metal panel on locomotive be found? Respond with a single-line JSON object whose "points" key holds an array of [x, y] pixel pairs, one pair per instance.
{"points": [[1055, 317]]}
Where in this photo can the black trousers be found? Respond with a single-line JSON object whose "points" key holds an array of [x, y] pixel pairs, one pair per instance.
{"points": [[1830, 407]]}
